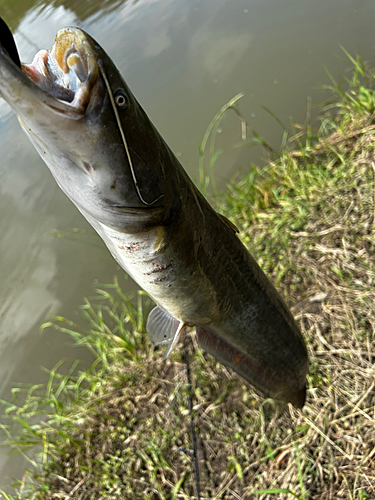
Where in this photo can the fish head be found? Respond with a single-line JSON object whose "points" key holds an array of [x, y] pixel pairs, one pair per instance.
{"points": [[84, 121]]}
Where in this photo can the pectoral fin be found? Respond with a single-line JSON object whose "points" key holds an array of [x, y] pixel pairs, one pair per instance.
{"points": [[163, 329], [274, 384]]}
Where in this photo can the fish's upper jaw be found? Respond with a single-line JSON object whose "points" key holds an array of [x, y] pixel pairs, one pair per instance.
{"points": [[68, 72]]}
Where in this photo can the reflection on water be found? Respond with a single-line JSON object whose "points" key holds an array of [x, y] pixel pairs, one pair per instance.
{"points": [[183, 59], [27, 266]]}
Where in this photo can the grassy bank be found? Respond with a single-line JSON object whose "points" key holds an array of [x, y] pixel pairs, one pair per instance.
{"points": [[121, 429]]}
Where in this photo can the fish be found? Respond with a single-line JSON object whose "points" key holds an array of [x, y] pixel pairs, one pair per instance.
{"points": [[8, 43], [109, 159]]}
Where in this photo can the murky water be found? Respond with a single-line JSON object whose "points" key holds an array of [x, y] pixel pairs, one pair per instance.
{"points": [[183, 60]]}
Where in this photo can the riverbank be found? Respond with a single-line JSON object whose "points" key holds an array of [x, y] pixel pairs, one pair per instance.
{"points": [[121, 429]]}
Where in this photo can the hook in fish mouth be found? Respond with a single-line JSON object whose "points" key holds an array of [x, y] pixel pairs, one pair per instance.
{"points": [[69, 71]]}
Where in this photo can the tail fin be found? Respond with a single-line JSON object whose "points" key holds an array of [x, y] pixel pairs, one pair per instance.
{"points": [[268, 380]]}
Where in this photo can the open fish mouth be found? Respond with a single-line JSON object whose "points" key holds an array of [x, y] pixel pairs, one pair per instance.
{"points": [[65, 79], [69, 71]]}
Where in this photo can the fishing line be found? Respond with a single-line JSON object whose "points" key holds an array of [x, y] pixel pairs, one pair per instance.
{"points": [[123, 137], [192, 429], [186, 353]]}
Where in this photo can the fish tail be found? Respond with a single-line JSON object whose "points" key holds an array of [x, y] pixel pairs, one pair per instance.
{"points": [[271, 382]]}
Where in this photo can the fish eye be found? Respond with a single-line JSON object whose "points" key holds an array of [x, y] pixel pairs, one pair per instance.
{"points": [[121, 99]]}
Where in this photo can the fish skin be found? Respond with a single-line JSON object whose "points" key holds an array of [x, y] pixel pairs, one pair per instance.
{"points": [[116, 168]]}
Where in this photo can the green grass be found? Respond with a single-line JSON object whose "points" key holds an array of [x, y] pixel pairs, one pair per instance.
{"points": [[119, 429]]}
